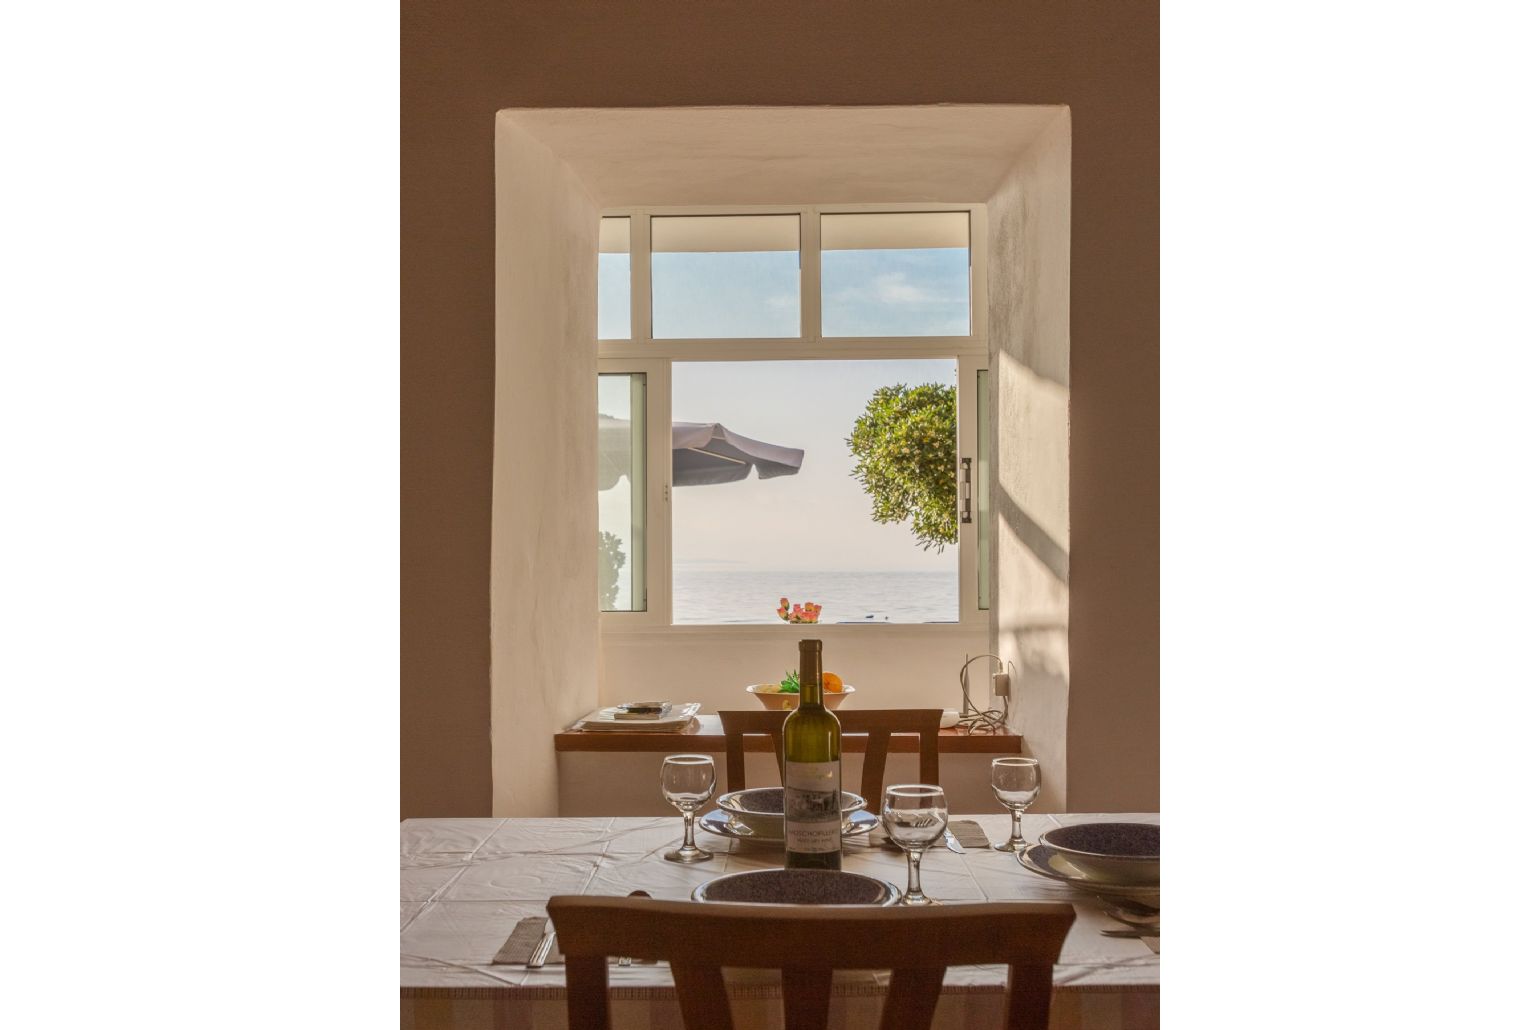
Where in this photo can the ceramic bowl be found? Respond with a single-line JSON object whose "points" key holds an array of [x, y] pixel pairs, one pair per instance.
{"points": [[1120, 853], [762, 809], [797, 887], [777, 700]]}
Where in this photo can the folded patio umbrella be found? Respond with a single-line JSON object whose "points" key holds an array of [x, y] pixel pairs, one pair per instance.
{"points": [[705, 453]]}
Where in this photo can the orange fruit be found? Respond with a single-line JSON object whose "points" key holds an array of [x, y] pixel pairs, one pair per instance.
{"points": [[832, 684]]}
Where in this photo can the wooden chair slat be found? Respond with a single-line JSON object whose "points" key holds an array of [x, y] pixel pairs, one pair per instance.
{"points": [[805, 998], [588, 996], [807, 942], [702, 997], [735, 725], [912, 997], [873, 767], [877, 724], [1029, 991]]}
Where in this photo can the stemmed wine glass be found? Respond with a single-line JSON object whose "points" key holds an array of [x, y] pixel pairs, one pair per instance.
{"points": [[915, 816], [688, 781], [1016, 782]]}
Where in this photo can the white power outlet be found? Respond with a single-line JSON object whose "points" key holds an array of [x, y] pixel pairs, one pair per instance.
{"points": [[1002, 684]]}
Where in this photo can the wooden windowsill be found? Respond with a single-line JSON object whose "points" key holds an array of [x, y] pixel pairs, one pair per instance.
{"points": [[706, 735]]}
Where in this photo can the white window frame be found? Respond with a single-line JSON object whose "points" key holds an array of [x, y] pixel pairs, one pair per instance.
{"points": [[655, 358]]}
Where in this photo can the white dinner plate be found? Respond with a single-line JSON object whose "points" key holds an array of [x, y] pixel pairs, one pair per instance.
{"points": [[1048, 863], [719, 822], [604, 719]]}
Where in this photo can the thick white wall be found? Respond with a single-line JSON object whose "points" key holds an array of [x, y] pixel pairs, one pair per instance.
{"points": [[545, 626], [1029, 239], [890, 666]]}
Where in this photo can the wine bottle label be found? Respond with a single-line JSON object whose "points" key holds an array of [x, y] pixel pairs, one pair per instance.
{"points": [[813, 807]]}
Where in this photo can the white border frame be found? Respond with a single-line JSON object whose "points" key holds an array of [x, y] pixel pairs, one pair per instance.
{"points": [[654, 357]]}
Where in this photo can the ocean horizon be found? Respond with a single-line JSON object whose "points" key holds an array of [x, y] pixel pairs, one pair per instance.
{"points": [[735, 596]]}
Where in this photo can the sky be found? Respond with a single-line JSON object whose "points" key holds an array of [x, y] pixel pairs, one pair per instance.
{"points": [[819, 519]]}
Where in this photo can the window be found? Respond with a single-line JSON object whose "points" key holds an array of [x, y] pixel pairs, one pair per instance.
{"points": [[721, 277], [614, 278], [981, 474], [811, 382], [895, 274], [622, 492], [741, 545]]}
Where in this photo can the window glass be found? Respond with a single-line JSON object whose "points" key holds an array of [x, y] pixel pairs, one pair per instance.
{"points": [[767, 501], [614, 278], [981, 485], [622, 492], [724, 276], [895, 274]]}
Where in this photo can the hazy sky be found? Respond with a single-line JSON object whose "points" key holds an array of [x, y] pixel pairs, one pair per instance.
{"points": [[819, 519]]}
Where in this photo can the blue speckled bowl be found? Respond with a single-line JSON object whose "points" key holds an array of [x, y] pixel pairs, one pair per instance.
{"points": [[1120, 853]]}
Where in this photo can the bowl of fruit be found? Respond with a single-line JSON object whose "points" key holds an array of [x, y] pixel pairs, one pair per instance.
{"points": [[787, 694]]}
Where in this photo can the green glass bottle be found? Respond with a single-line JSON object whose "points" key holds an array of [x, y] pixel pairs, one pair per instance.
{"points": [[813, 791]]}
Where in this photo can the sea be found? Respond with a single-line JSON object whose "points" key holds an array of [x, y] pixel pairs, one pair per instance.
{"points": [[716, 596]]}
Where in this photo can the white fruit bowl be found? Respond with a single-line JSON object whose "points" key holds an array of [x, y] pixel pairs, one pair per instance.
{"points": [[775, 699]]}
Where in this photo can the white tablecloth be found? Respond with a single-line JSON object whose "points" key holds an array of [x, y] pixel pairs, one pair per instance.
{"points": [[465, 883]]}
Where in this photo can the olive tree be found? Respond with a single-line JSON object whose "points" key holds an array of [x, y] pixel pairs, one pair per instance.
{"points": [[905, 445]]}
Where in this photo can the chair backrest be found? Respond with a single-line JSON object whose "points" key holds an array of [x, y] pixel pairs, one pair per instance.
{"points": [[807, 943], [877, 724]]}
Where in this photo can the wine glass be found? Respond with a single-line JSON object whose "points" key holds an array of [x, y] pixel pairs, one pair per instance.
{"points": [[914, 815], [688, 781], [1016, 782]]}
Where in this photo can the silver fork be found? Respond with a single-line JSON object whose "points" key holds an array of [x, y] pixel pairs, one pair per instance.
{"points": [[542, 950]]}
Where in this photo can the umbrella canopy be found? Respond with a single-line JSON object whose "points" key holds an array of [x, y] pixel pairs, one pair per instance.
{"points": [[705, 453]]}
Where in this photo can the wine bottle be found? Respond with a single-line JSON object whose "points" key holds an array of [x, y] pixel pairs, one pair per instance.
{"points": [[813, 789]]}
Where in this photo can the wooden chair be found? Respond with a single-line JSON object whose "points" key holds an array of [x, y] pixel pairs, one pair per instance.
{"points": [[807, 943], [878, 724]]}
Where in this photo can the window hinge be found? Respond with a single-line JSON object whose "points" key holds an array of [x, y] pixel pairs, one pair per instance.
{"points": [[967, 490]]}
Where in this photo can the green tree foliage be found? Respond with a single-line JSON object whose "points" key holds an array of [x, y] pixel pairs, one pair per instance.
{"points": [[610, 561], [905, 445]]}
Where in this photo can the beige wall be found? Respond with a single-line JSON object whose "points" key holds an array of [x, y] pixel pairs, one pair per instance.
{"points": [[901, 666], [464, 60], [1029, 269], [545, 627]]}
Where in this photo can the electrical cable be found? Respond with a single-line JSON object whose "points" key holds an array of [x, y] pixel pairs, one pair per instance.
{"points": [[972, 718]]}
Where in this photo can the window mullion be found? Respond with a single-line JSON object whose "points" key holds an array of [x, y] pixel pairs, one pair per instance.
{"points": [[811, 286], [641, 277]]}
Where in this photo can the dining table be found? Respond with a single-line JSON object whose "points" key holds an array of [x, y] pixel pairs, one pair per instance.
{"points": [[466, 884]]}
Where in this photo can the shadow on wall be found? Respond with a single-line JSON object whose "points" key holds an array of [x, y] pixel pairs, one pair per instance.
{"points": [[1033, 537]]}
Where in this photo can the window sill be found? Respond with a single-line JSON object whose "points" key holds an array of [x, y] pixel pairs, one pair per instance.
{"points": [[614, 629]]}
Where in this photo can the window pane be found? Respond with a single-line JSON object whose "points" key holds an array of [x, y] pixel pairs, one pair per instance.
{"points": [[614, 278], [742, 540], [981, 486], [895, 274], [622, 492], [726, 276]]}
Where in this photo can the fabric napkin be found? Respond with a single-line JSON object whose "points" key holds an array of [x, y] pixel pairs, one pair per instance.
{"points": [[517, 948], [969, 833]]}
